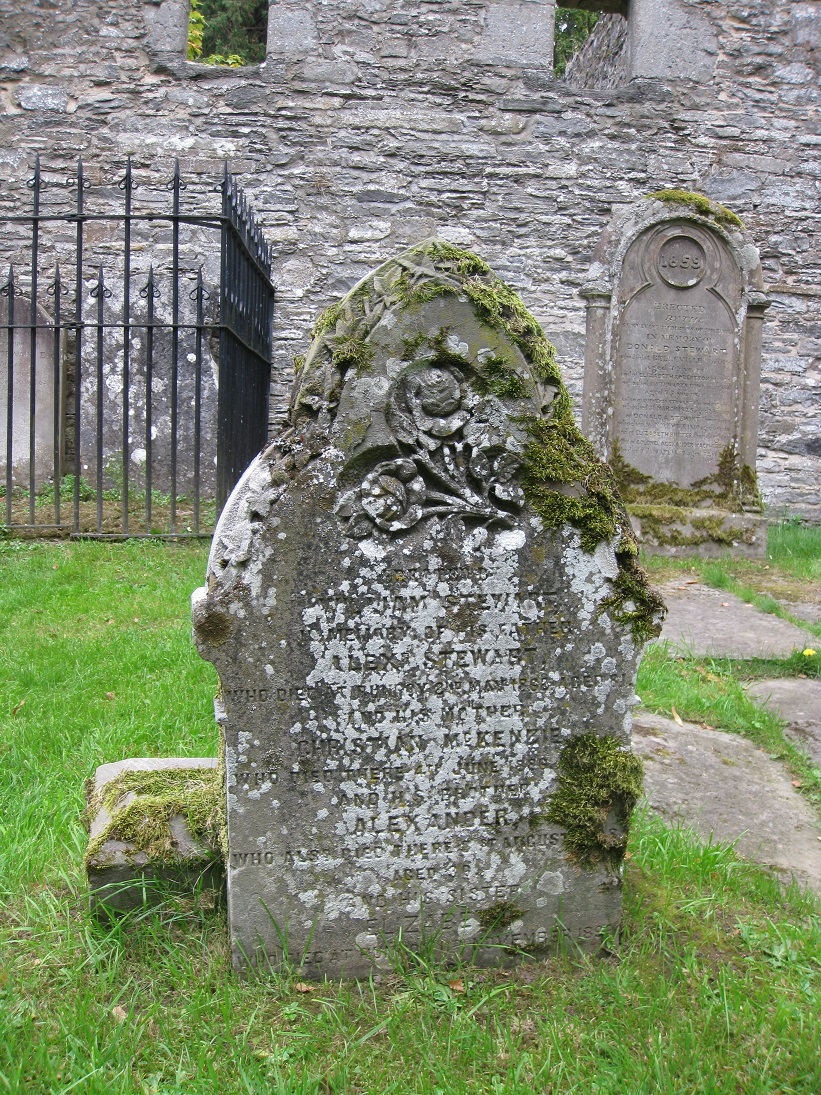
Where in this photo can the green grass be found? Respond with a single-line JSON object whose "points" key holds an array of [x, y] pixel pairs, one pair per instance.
{"points": [[710, 691], [711, 987], [796, 547], [97, 665], [721, 577]]}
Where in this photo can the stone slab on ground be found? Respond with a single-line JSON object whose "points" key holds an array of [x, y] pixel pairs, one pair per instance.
{"points": [[722, 784], [713, 622], [120, 877], [804, 610], [798, 702]]}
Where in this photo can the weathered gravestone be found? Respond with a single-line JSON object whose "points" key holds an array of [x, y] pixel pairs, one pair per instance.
{"points": [[424, 608], [672, 370], [46, 423]]}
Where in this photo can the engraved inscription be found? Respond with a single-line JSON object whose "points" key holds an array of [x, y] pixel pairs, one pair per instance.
{"points": [[432, 720], [675, 388]]}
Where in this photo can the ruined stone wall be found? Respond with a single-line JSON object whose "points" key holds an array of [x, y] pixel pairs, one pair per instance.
{"points": [[373, 125], [602, 61]]}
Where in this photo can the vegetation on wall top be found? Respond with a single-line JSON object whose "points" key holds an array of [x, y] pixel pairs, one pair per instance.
{"points": [[233, 32], [573, 28]]}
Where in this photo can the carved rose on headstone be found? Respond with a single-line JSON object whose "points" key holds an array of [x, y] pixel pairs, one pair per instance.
{"points": [[390, 496], [433, 397], [441, 471]]}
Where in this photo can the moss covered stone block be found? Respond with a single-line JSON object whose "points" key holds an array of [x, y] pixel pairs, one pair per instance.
{"points": [[678, 530], [154, 828]]}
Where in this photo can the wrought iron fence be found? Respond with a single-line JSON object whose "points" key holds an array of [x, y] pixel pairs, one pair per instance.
{"points": [[137, 371]]}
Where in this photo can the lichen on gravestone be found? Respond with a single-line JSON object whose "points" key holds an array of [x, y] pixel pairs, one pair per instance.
{"points": [[419, 597]]}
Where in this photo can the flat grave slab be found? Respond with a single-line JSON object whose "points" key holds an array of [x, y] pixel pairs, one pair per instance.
{"points": [[713, 622], [798, 702], [142, 843], [726, 788]]}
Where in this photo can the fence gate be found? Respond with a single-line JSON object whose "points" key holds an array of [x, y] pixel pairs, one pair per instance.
{"points": [[135, 356], [246, 307]]}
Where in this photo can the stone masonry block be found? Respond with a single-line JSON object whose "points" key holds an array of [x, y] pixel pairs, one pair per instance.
{"points": [[154, 827]]}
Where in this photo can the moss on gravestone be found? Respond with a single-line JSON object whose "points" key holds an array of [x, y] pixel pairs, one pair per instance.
{"points": [[633, 601], [352, 354], [495, 376], [733, 486], [701, 204], [666, 525], [563, 479], [143, 823], [499, 916], [599, 785]]}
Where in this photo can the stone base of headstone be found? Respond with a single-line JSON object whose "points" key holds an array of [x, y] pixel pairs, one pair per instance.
{"points": [[122, 877], [672, 530]]}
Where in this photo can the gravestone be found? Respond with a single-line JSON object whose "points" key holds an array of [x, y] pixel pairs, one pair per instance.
{"points": [[45, 414], [423, 605], [673, 363]]}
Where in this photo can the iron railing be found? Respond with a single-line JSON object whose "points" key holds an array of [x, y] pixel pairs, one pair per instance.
{"points": [[125, 414]]}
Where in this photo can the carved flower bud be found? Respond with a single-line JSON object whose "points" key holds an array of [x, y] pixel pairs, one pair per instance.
{"points": [[391, 503], [438, 392]]}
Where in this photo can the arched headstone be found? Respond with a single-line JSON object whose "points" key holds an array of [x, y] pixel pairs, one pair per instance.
{"points": [[673, 360], [424, 608]]}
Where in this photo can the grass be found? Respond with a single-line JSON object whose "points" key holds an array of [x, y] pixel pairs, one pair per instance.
{"points": [[710, 691], [711, 987], [45, 513]]}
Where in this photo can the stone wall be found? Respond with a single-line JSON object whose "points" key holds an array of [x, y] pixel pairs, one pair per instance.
{"points": [[602, 61], [374, 124]]}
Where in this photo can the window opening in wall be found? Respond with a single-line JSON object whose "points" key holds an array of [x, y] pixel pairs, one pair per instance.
{"points": [[227, 32], [573, 28]]}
